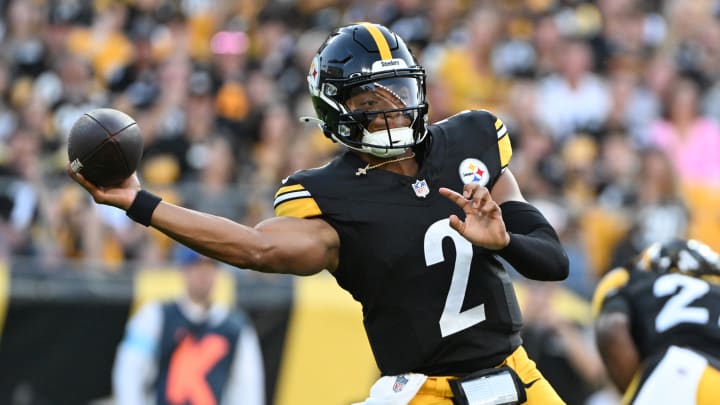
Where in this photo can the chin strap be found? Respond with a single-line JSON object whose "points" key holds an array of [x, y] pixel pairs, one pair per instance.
{"points": [[402, 137]]}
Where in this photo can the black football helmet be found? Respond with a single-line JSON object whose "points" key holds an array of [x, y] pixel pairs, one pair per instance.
{"points": [[689, 257], [368, 90]]}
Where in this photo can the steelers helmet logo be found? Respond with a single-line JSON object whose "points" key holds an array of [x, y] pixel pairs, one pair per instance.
{"points": [[474, 171], [313, 76]]}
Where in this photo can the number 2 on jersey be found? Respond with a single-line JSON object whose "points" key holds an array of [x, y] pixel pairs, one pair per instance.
{"points": [[453, 319], [677, 309]]}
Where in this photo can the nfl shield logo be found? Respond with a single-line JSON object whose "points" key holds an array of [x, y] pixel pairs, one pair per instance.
{"points": [[421, 188], [400, 382]]}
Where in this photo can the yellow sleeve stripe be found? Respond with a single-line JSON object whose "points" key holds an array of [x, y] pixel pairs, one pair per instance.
{"points": [[504, 146], [287, 189], [295, 201], [610, 282], [380, 40], [505, 150], [304, 207]]}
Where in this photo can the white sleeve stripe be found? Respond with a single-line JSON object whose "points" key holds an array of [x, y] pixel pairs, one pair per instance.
{"points": [[502, 131], [291, 196]]}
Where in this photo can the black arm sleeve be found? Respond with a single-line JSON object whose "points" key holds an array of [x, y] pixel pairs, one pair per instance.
{"points": [[534, 250]]}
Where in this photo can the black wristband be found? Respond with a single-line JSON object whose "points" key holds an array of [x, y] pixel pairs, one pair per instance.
{"points": [[142, 207]]}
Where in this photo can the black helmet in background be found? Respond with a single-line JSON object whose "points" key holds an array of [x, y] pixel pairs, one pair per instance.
{"points": [[682, 256]]}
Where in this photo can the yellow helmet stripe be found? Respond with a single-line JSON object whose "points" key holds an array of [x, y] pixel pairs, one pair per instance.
{"points": [[380, 40], [498, 124]]}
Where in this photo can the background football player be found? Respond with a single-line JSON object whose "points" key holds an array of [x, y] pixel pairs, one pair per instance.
{"points": [[658, 325], [410, 219]]}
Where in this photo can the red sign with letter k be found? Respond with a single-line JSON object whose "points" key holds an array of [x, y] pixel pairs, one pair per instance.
{"points": [[192, 361]]}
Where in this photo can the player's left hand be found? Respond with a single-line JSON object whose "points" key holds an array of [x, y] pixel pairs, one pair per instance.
{"points": [[483, 224]]}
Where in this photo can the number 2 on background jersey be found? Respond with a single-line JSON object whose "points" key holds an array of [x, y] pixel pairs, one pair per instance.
{"points": [[453, 319], [677, 309]]}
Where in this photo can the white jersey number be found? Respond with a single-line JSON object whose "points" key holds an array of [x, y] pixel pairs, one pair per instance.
{"points": [[677, 310], [453, 320]]}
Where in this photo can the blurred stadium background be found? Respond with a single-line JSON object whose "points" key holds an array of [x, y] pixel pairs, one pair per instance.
{"points": [[612, 105]]}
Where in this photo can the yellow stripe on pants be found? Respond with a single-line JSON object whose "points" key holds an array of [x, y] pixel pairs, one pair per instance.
{"points": [[4, 293]]}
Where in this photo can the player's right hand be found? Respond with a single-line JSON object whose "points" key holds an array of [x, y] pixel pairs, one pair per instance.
{"points": [[120, 196]]}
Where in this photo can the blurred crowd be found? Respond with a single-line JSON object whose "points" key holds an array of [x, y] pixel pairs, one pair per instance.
{"points": [[613, 109], [612, 106]]}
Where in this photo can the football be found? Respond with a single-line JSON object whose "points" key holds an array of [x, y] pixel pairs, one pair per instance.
{"points": [[105, 146]]}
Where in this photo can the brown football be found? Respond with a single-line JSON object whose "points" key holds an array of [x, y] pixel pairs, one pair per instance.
{"points": [[105, 146]]}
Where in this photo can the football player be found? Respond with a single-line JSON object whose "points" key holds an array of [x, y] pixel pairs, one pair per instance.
{"points": [[658, 325], [411, 220]]}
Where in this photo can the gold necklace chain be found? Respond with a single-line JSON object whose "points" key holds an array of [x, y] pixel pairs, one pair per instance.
{"points": [[361, 171]]}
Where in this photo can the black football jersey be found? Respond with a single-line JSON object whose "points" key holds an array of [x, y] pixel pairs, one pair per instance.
{"points": [[432, 302], [664, 310]]}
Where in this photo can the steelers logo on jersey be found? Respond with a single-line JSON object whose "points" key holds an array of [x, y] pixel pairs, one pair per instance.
{"points": [[474, 171]]}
